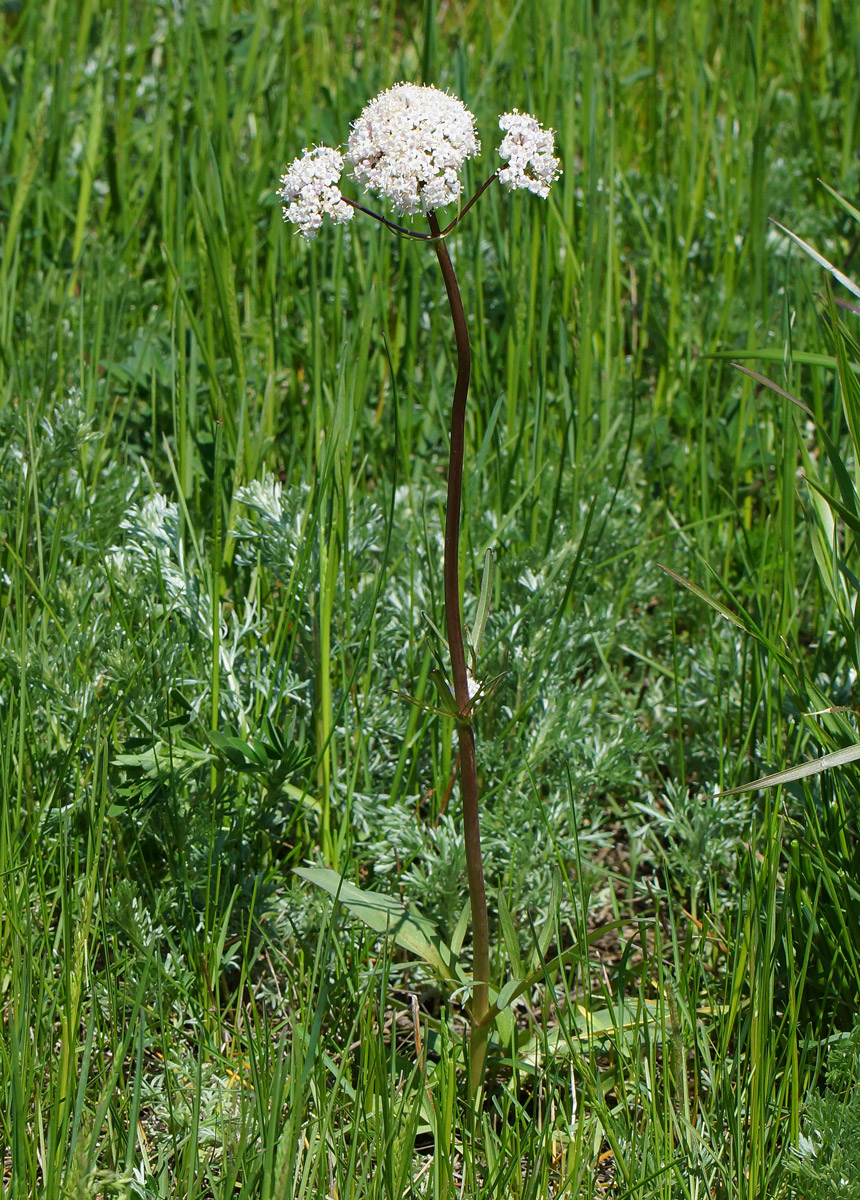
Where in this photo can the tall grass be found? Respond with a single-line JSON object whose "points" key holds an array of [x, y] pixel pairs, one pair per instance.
{"points": [[220, 530]]}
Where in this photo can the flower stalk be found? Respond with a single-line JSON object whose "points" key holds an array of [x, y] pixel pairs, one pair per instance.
{"points": [[456, 648]]}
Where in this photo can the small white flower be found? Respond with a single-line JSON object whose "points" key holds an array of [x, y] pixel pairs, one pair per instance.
{"points": [[409, 145], [310, 192], [528, 150]]}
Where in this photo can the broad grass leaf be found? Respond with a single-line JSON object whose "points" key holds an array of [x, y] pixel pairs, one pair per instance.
{"points": [[386, 915], [625, 1022]]}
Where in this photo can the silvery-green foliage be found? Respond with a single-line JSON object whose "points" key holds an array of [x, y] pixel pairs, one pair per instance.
{"points": [[566, 747], [91, 658], [279, 532], [549, 752], [825, 1163], [697, 834], [563, 755], [150, 561], [427, 859], [152, 551], [46, 472], [567, 740], [274, 526]]}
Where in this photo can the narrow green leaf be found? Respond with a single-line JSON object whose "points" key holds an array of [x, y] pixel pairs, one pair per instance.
{"points": [[847, 378], [851, 518], [512, 943], [446, 699], [703, 595], [843, 479], [218, 252], [23, 183], [774, 387], [838, 275], [550, 923], [849, 208], [803, 358], [838, 758], [90, 162], [434, 627]]}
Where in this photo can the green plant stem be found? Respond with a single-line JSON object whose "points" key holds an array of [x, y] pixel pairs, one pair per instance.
{"points": [[454, 628]]}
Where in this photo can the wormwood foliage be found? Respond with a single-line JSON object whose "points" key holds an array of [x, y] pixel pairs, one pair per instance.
{"points": [[220, 530], [827, 1162]]}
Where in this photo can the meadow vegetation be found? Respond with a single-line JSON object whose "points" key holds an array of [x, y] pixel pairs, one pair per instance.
{"points": [[222, 480]]}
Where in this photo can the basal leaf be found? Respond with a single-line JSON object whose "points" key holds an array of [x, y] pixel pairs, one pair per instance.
{"points": [[386, 915]]}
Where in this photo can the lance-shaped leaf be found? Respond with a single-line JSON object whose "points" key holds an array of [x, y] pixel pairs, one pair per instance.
{"points": [[386, 915], [446, 696], [477, 634]]}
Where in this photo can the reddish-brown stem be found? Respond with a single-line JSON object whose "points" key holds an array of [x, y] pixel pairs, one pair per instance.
{"points": [[454, 628]]}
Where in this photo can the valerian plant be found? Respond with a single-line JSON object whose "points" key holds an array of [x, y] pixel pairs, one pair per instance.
{"points": [[409, 146]]}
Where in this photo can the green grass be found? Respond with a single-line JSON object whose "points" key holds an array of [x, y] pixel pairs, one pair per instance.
{"points": [[221, 490]]}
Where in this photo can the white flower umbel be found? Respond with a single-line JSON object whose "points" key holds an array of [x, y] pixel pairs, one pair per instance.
{"points": [[310, 192], [409, 145], [528, 150]]}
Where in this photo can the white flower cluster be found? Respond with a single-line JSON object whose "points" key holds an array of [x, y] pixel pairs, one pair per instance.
{"points": [[528, 150], [310, 192], [409, 145]]}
